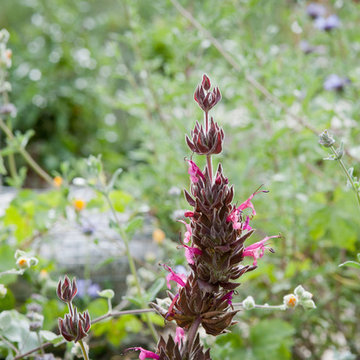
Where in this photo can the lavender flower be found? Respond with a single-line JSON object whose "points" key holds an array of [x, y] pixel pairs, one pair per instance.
{"points": [[335, 83], [315, 10], [327, 24]]}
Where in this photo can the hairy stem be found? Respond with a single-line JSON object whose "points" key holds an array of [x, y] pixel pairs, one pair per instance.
{"points": [[192, 333], [347, 174], [31, 162], [84, 352]]}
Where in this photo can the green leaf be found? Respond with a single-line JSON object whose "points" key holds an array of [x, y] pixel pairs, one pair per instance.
{"points": [[50, 336], [120, 199], [134, 225], [154, 289], [272, 339]]}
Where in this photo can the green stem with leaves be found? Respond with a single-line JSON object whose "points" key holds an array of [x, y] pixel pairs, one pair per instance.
{"points": [[32, 163], [131, 262], [349, 177]]}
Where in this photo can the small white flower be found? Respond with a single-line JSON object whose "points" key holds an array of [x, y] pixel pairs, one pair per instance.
{"points": [[23, 262], [290, 301], [249, 303]]}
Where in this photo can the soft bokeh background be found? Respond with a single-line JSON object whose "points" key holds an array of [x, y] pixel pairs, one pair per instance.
{"points": [[117, 78]]}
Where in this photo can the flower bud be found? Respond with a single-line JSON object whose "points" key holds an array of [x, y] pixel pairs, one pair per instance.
{"points": [[249, 303], [75, 327], [290, 301], [35, 325], [3, 291], [299, 291], [4, 36], [308, 304], [325, 139], [66, 291], [306, 295]]}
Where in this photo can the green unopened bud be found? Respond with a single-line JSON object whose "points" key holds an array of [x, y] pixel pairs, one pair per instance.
{"points": [[308, 304], [108, 293], [299, 291], [325, 139], [3, 291], [4, 36], [249, 303], [306, 295]]}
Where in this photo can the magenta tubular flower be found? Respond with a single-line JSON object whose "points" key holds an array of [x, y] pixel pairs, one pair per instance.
{"points": [[228, 297], [144, 354], [194, 172], [248, 204], [188, 233], [190, 253], [257, 249], [179, 335], [180, 279]]}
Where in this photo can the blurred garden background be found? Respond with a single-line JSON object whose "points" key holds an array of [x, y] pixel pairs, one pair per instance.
{"points": [[116, 78]]}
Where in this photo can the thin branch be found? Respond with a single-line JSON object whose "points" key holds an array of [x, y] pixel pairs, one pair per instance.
{"points": [[28, 158], [113, 314], [8, 343]]}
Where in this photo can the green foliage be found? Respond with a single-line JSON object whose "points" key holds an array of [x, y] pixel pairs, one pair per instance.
{"points": [[116, 78]]}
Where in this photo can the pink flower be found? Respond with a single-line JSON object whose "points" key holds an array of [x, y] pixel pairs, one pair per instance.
{"points": [[246, 225], [257, 249], [248, 204], [234, 218], [194, 172], [188, 232], [189, 214], [228, 297], [144, 354], [179, 335], [190, 253], [180, 279]]}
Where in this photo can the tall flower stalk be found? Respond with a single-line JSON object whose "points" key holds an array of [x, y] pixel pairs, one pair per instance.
{"points": [[216, 230]]}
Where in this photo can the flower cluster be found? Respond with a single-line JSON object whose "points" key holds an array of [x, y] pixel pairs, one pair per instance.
{"points": [[74, 326], [216, 230]]}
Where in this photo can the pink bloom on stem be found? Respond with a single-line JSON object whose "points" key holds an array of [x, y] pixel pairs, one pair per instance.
{"points": [[179, 335], [228, 297], [234, 218], [248, 204], [190, 253], [257, 249], [180, 279], [194, 172], [145, 354], [246, 224], [188, 232], [189, 214]]}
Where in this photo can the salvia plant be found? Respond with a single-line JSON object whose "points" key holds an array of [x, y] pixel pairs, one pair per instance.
{"points": [[214, 247]]}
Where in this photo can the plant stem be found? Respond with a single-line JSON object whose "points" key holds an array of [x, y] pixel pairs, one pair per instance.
{"points": [[347, 174], [192, 333], [85, 355], [32, 163], [131, 262]]}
